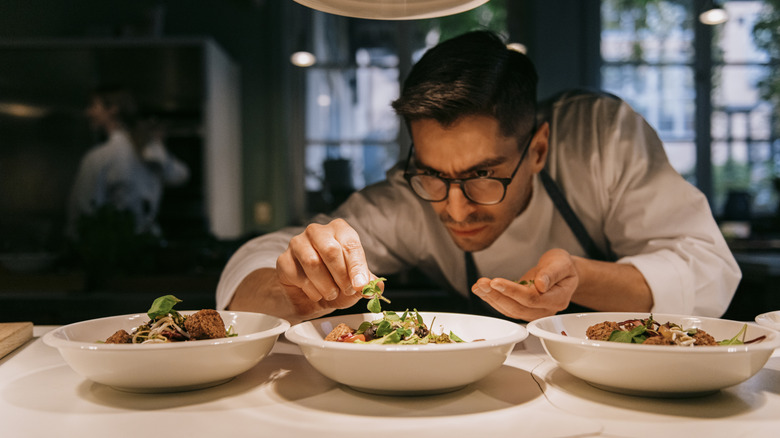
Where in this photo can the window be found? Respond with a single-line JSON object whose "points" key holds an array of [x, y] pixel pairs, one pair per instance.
{"points": [[649, 60], [352, 134]]}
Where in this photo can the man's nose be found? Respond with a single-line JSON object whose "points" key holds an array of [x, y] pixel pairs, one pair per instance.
{"points": [[458, 206]]}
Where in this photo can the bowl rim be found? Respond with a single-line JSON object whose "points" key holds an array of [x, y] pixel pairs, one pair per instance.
{"points": [[517, 334], [769, 322], [534, 327], [53, 338]]}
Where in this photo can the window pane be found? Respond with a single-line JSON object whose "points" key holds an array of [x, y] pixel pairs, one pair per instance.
{"points": [[734, 38], [658, 31], [351, 129]]}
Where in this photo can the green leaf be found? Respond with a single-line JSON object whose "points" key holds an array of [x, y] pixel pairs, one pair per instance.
{"points": [[363, 327], [374, 306], [635, 335], [162, 306], [372, 291], [419, 318], [403, 332], [392, 316], [735, 340], [455, 337], [525, 282], [392, 338], [384, 328], [372, 288]]}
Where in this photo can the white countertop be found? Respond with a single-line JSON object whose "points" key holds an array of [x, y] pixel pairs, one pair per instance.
{"points": [[40, 396]]}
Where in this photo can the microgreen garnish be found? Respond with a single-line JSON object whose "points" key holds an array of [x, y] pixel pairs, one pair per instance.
{"points": [[525, 282], [374, 293], [634, 336], [736, 339]]}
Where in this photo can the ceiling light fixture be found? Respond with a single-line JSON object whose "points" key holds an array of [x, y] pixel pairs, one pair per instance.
{"points": [[303, 58], [392, 9], [713, 14]]}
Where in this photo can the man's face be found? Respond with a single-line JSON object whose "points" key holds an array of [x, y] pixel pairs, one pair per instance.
{"points": [[473, 146]]}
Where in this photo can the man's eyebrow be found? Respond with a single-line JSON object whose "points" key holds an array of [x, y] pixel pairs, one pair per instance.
{"points": [[484, 164]]}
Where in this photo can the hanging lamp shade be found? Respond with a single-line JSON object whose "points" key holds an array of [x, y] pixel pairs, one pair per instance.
{"points": [[713, 13], [392, 9]]}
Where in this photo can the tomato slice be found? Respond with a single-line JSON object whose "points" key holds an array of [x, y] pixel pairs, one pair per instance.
{"points": [[354, 338]]}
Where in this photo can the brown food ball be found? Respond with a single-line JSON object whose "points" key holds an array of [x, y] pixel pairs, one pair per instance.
{"points": [[601, 331], [120, 337], [205, 324]]}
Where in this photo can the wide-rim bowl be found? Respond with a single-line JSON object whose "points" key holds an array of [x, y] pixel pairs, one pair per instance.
{"points": [[769, 319], [410, 369], [206, 362], [666, 371]]}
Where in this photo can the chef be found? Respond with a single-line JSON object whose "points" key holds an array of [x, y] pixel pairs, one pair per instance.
{"points": [[526, 208]]}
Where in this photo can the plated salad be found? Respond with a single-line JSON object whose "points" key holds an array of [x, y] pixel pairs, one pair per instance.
{"points": [[651, 332], [391, 328], [168, 325]]}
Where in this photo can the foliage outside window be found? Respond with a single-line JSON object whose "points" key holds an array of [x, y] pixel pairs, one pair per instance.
{"points": [[648, 59]]}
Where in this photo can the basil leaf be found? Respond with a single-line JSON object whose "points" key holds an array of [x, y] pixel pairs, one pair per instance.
{"points": [[162, 306]]}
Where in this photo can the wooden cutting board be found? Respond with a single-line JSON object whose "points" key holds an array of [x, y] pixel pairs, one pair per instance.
{"points": [[13, 335]]}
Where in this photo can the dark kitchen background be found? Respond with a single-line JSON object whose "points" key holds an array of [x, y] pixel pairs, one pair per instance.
{"points": [[269, 143]]}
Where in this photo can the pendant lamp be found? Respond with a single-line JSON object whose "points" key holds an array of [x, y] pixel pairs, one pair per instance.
{"points": [[392, 9]]}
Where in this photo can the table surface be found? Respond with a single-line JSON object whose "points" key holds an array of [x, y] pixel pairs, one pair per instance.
{"points": [[283, 396]]}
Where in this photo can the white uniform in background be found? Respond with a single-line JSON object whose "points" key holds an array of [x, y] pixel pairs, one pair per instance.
{"points": [[613, 170], [113, 173]]}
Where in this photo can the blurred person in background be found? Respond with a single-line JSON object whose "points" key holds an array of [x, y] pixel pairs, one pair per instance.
{"points": [[129, 170]]}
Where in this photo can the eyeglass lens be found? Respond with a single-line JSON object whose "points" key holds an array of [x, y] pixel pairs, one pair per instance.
{"points": [[483, 191]]}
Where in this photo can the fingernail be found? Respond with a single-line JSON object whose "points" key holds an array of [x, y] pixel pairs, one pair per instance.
{"points": [[484, 289], [333, 295], [359, 280], [498, 286], [545, 282]]}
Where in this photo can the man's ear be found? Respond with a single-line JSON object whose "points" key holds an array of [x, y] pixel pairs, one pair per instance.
{"points": [[537, 150]]}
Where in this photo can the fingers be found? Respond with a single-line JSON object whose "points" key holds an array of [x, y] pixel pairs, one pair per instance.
{"points": [[555, 270], [518, 301], [325, 261]]}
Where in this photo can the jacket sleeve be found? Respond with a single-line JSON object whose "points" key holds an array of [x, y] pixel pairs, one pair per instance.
{"points": [[653, 218]]}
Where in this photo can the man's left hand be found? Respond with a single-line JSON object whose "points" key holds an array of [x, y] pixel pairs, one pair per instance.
{"points": [[543, 291]]}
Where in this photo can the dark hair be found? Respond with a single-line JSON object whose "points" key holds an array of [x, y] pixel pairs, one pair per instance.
{"points": [[116, 96], [472, 74], [140, 127]]}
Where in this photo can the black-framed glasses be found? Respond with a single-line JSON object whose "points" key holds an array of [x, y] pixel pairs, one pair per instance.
{"points": [[483, 190]]}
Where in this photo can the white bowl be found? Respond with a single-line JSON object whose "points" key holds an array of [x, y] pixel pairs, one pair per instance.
{"points": [[654, 370], [176, 366], [410, 369], [769, 319]]}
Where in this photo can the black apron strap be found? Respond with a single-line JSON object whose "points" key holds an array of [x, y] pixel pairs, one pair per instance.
{"points": [[477, 306], [563, 207]]}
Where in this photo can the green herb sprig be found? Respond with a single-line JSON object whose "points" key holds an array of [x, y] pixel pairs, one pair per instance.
{"points": [[736, 339], [374, 293]]}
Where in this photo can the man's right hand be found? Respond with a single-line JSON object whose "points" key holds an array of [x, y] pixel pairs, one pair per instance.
{"points": [[324, 268], [324, 261]]}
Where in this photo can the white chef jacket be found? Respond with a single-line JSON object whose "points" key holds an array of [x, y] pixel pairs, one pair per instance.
{"points": [[613, 170], [113, 173]]}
